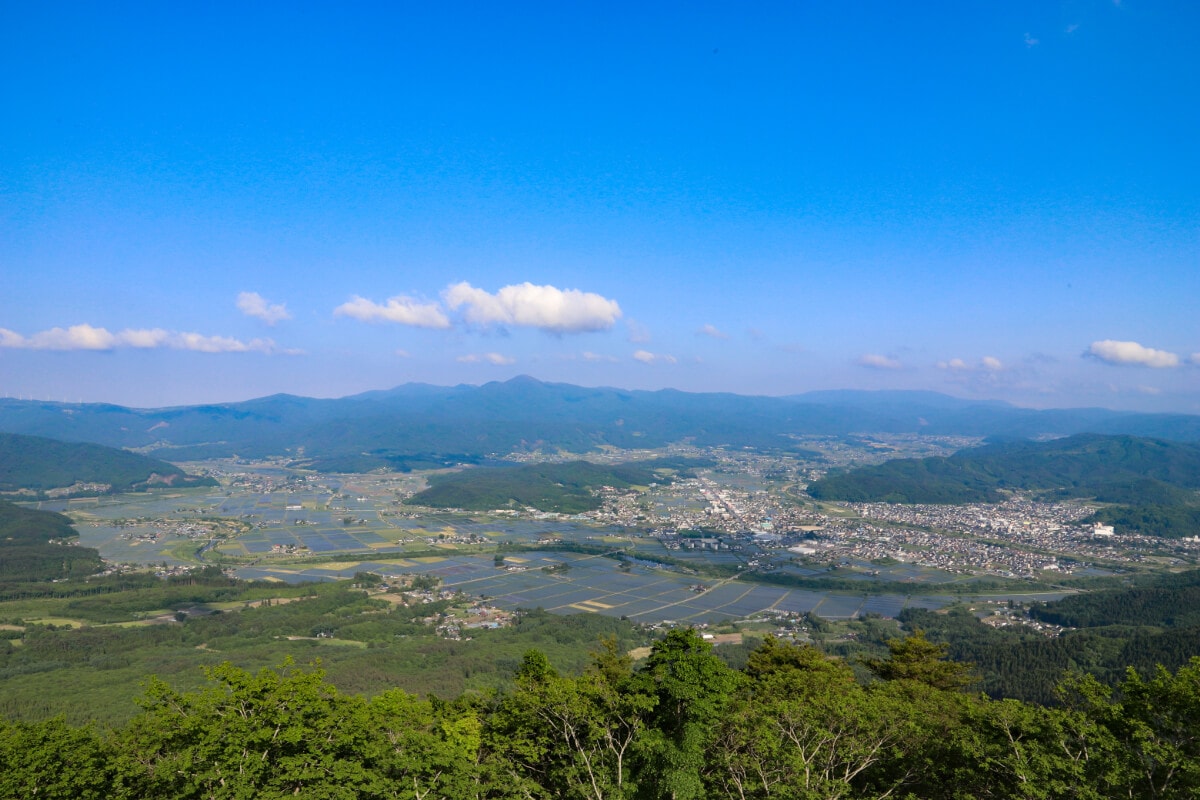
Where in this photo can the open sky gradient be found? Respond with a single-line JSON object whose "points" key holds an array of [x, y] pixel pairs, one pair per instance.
{"points": [[217, 201]]}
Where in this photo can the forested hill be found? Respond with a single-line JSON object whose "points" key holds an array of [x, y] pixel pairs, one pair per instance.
{"points": [[39, 464], [681, 726], [33, 547], [1111, 469], [1147, 621], [568, 488]]}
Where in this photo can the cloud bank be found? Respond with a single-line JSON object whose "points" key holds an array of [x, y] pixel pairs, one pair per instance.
{"points": [[87, 337], [1131, 354], [524, 305]]}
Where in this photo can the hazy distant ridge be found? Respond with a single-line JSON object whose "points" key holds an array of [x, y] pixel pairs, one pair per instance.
{"points": [[472, 421]]}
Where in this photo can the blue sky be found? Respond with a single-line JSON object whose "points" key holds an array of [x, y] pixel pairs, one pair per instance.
{"points": [[212, 202]]}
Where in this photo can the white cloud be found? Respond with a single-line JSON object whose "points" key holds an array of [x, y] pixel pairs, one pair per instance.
{"points": [[1030, 41], [590, 356], [713, 331], [876, 361], [87, 337], [1194, 358], [401, 353], [992, 363], [543, 307], [1131, 354], [498, 359], [646, 357], [253, 304], [399, 309]]}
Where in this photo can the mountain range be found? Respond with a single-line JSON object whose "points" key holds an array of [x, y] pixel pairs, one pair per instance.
{"points": [[420, 423]]}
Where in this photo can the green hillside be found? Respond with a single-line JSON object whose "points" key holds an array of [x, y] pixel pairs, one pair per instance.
{"points": [[1152, 483], [564, 488], [1110, 468], [1154, 620], [32, 547], [40, 464]]}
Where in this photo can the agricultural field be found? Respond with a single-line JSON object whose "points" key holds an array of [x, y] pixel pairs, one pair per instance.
{"points": [[567, 583], [269, 523]]}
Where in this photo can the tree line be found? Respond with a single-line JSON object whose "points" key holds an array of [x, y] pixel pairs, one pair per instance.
{"points": [[792, 723]]}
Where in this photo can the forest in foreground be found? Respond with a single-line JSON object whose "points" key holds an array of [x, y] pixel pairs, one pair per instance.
{"points": [[791, 723]]}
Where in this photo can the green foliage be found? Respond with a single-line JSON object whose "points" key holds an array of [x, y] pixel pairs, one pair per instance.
{"points": [[52, 760], [573, 736], [283, 733], [915, 658], [794, 724], [1153, 722], [802, 727], [689, 687]]}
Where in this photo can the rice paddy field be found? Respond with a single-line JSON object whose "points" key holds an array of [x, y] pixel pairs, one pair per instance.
{"points": [[598, 585], [331, 527]]}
